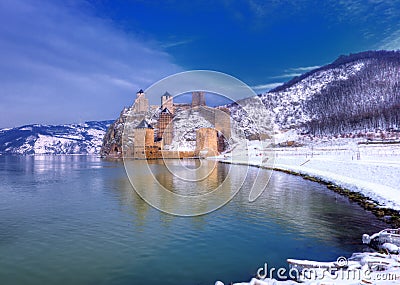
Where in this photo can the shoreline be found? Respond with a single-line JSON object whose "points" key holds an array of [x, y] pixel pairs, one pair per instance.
{"points": [[367, 176], [365, 202], [329, 168]]}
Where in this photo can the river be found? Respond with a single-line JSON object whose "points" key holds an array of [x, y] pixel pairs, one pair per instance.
{"points": [[77, 220]]}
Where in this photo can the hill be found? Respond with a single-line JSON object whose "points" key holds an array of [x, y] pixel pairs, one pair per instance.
{"points": [[83, 138], [356, 93]]}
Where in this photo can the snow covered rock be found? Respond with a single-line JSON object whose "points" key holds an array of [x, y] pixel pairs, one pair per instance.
{"points": [[85, 138], [390, 247]]}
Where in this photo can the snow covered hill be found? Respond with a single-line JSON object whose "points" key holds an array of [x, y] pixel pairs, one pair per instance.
{"points": [[289, 104], [355, 93], [83, 138]]}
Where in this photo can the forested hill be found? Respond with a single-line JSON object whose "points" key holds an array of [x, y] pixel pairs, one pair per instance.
{"points": [[358, 92]]}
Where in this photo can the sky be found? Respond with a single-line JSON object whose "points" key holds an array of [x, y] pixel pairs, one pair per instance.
{"points": [[78, 60]]}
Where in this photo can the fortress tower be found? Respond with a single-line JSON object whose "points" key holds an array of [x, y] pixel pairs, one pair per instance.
{"points": [[198, 99], [167, 101], [143, 136], [165, 126], [141, 104]]}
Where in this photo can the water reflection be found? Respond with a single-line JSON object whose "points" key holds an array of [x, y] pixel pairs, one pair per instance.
{"points": [[40, 164], [168, 188], [307, 209], [189, 177], [304, 207]]}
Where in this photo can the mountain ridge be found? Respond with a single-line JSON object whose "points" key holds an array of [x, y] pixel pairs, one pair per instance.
{"points": [[85, 138], [358, 92], [342, 59]]}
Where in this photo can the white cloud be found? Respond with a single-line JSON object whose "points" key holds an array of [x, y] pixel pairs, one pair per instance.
{"points": [[391, 42], [62, 65], [303, 69], [286, 75], [266, 87], [294, 71], [176, 43]]}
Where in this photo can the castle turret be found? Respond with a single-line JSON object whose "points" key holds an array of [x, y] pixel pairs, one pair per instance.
{"points": [[141, 104], [167, 101], [140, 93], [198, 99], [143, 135], [165, 126]]}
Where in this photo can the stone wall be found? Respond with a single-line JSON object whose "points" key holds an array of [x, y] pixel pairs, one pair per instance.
{"points": [[156, 153], [219, 117], [149, 138], [166, 154], [223, 121], [206, 142], [153, 152]]}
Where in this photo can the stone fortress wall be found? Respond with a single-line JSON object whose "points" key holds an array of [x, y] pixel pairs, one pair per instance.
{"points": [[149, 143]]}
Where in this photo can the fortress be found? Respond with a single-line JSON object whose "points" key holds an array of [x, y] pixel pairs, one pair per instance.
{"points": [[148, 142]]}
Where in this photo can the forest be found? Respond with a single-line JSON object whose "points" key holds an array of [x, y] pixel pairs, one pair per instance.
{"points": [[367, 101]]}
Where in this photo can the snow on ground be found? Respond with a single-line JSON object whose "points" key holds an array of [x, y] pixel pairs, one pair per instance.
{"points": [[44, 144], [288, 104], [84, 138], [372, 170], [185, 124], [59, 145]]}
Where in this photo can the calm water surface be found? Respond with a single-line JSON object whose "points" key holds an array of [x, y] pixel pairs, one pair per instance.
{"points": [[77, 220]]}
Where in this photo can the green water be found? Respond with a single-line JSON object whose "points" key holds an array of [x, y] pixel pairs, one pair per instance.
{"points": [[77, 220]]}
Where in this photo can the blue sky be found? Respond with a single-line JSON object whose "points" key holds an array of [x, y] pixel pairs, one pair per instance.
{"points": [[72, 61]]}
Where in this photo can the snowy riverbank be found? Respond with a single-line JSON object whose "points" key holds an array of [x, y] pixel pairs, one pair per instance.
{"points": [[372, 170]]}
